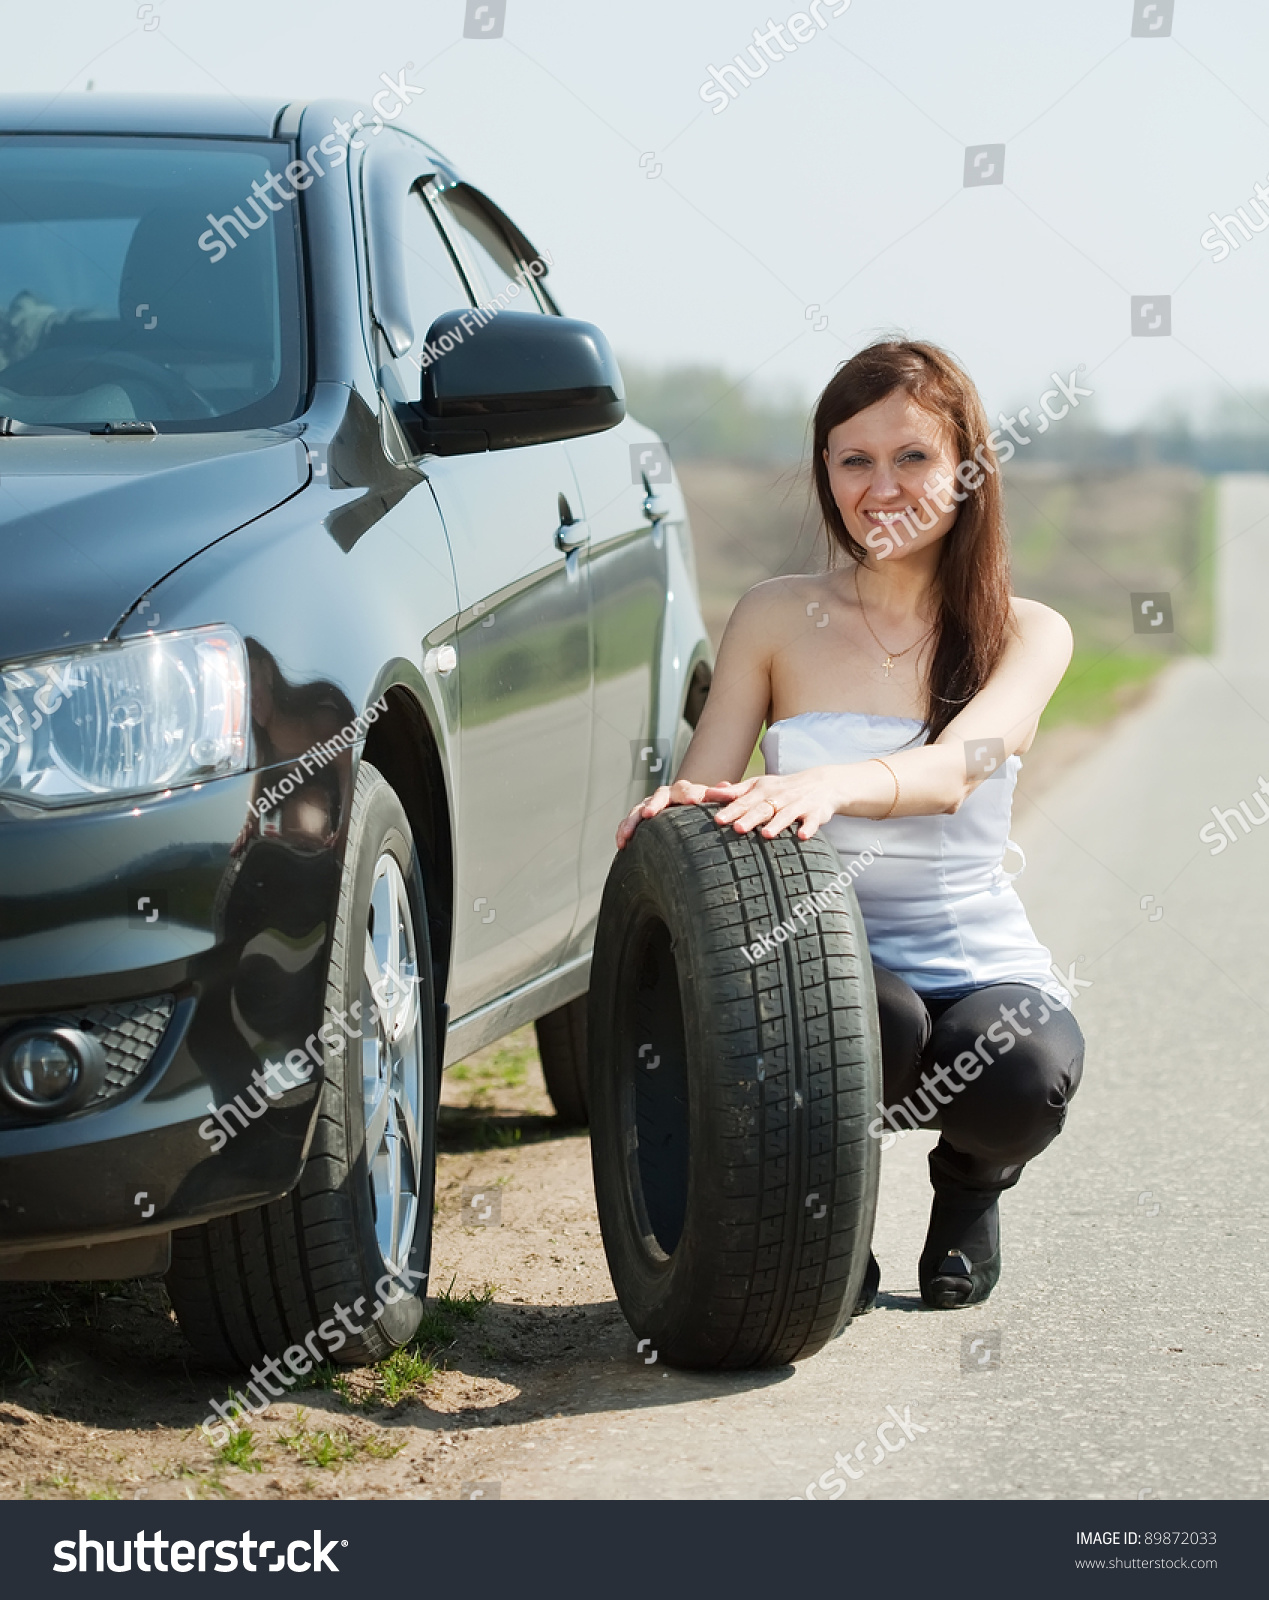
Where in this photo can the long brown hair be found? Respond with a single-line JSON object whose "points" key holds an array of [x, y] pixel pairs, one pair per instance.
{"points": [[973, 571]]}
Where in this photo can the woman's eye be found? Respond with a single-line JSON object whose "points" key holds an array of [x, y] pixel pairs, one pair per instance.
{"points": [[914, 455], [855, 461]]}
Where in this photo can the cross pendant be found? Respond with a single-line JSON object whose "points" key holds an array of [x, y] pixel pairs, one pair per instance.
{"points": [[888, 663]]}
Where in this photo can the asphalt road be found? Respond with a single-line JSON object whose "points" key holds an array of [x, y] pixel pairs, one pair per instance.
{"points": [[1122, 1355]]}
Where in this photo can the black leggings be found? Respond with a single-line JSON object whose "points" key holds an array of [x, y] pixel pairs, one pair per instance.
{"points": [[993, 1071]]}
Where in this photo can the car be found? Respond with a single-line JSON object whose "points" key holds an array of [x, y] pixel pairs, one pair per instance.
{"points": [[345, 612]]}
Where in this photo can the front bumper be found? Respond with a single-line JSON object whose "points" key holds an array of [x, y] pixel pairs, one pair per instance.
{"points": [[223, 937]]}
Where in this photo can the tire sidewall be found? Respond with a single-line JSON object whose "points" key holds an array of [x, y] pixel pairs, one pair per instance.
{"points": [[681, 1301], [663, 1294], [382, 828]]}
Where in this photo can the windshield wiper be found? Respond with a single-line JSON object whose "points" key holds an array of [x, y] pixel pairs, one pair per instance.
{"points": [[12, 427]]}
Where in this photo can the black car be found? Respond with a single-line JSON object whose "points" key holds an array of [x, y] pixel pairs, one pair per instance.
{"points": [[343, 613]]}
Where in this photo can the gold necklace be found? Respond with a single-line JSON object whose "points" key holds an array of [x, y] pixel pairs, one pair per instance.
{"points": [[891, 655]]}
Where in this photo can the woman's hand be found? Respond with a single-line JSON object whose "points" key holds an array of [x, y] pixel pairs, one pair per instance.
{"points": [[681, 793], [769, 804], [772, 804]]}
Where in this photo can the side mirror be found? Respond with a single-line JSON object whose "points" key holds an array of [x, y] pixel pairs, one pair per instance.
{"points": [[495, 380]]}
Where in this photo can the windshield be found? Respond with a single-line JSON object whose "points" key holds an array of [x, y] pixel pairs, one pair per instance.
{"points": [[146, 280]]}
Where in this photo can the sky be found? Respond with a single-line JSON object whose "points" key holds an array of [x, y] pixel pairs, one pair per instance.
{"points": [[774, 231]]}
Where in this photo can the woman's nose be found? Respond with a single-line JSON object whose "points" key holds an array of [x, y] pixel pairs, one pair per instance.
{"points": [[884, 486]]}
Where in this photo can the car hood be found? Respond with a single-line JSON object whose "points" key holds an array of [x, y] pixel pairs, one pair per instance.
{"points": [[89, 523]]}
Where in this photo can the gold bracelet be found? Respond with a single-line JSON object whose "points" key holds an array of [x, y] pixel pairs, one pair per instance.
{"points": [[895, 801]]}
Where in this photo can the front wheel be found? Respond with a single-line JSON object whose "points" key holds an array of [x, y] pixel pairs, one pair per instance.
{"points": [[344, 1257]]}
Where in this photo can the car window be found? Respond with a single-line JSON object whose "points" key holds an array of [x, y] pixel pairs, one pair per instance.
{"points": [[497, 273], [148, 279], [432, 277]]}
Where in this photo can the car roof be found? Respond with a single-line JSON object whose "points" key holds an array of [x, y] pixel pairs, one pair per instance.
{"points": [[214, 116], [81, 112]]}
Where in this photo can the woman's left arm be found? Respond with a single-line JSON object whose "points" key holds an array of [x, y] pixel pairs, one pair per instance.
{"points": [[998, 722]]}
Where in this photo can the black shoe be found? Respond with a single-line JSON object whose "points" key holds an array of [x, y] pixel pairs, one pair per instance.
{"points": [[956, 1281], [960, 1264], [868, 1288]]}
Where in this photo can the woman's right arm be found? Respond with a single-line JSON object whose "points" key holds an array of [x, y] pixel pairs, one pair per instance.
{"points": [[735, 709]]}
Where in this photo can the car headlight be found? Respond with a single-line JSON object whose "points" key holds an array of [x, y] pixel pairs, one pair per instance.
{"points": [[121, 719]]}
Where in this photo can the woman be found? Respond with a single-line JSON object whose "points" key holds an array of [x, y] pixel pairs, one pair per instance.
{"points": [[899, 689]]}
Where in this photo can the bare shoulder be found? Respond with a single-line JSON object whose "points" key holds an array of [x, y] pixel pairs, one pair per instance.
{"points": [[777, 603], [792, 588], [1040, 627]]}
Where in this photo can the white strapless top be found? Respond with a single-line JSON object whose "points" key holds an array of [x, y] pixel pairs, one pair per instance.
{"points": [[939, 907]]}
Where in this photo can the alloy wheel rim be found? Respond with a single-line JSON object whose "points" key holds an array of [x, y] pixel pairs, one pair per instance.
{"points": [[392, 1064]]}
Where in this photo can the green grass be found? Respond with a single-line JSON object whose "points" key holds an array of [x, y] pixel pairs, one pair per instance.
{"points": [[322, 1449], [414, 1365], [330, 1377], [1097, 685], [434, 1332], [331, 1447], [380, 1449], [17, 1365], [466, 1307], [403, 1373], [325, 1376], [436, 1327], [399, 1376], [506, 1068], [240, 1452]]}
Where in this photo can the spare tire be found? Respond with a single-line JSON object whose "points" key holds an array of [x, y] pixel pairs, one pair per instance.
{"points": [[732, 1082]]}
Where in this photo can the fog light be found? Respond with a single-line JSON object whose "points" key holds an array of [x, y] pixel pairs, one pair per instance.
{"points": [[48, 1070]]}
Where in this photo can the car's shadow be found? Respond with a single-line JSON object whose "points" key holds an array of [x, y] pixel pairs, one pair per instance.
{"points": [[111, 1358], [585, 1359]]}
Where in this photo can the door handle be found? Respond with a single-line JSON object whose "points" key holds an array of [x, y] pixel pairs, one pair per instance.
{"points": [[655, 505], [571, 534]]}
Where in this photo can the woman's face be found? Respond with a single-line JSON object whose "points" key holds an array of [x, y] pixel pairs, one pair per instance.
{"points": [[891, 470]]}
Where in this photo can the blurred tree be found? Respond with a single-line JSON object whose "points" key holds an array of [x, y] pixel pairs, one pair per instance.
{"points": [[703, 413]]}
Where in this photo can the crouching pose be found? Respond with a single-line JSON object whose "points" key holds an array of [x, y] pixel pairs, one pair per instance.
{"points": [[899, 688]]}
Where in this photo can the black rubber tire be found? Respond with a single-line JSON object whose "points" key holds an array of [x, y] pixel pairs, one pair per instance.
{"points": [[562, 1048], [250, 1285], [735, 1178]]}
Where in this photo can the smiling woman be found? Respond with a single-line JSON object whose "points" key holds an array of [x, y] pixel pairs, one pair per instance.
{"points": [[893, 685]]}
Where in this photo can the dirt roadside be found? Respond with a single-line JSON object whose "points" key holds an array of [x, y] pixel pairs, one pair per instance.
{"points": [[102, 1398], [524, 1348]]}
